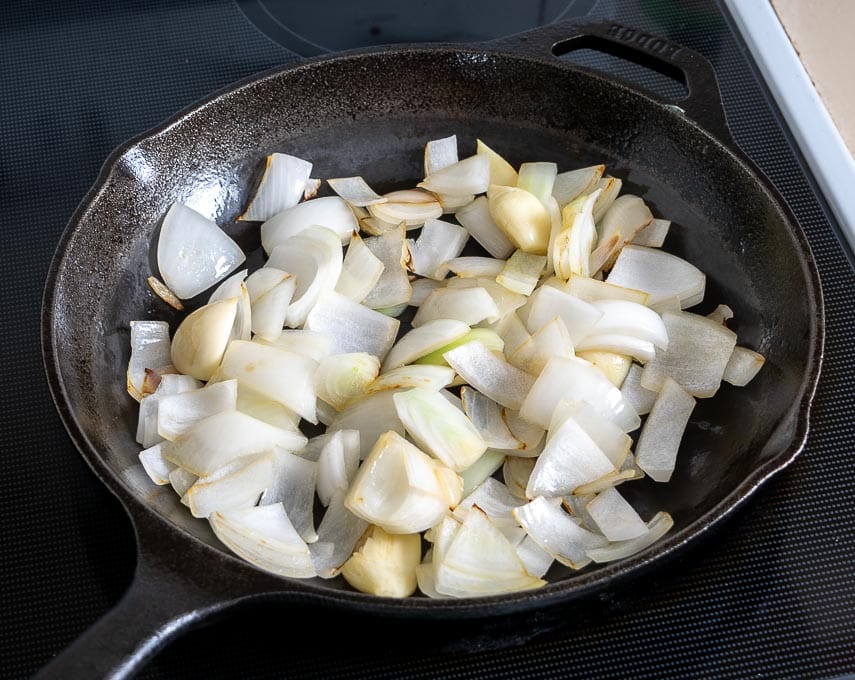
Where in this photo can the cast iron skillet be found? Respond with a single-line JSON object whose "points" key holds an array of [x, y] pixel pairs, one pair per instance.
{"points": [[370, 112]]}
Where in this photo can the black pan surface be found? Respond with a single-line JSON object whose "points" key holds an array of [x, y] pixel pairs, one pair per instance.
{"points": [[370, 113]]}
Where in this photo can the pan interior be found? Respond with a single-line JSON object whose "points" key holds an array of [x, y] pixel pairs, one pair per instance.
{"points": [[371, 115]]}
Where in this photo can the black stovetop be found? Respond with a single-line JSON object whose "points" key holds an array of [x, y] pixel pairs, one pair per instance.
{"points": [[772, 594]]}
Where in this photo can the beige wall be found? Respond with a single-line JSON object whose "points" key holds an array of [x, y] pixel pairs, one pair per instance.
{"points": [[822, 33]]}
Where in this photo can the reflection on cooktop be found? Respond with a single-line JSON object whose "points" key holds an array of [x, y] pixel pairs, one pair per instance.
{"points": [[310, 29]]}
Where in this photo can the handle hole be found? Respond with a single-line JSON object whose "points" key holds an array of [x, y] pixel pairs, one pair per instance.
{"points": [[633, 65]]}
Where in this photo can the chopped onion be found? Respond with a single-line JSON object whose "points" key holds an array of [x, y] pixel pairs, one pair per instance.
{"points": [[331, 212], [512, 331], [490, 374], [313, 185], [439, 428], [354, 327], [472, 267], [610, 187], [516, 472], [573, 378], [610, 439], [410, 206], [337, 465], [219, 439], [521, 272], [235, 287], [626, 217], [742, 366], [550, 340], [438, 243], [181, 480], [155, 464], [355, 191], [633, 392], [469, 176], [653, 235], [313, 344], [360, 270], [620, 317], [342, 377], [538, 179], [480, 561], [535, 559], [275, 373], [556, 532], [177, 413], [193, 253], [493, 498], [572, 246], [236, 485], [293, 486], [429, 377], [528, 435], [469, 305], [440, 153], [150, 348], [591, 290], [660, 437], [569, 459], [501, 172], [264, 537], [481, 469], [658, 273], [615, 517], [282, 186], [371, 416], [270, 292], [572, 184], [578, 316], [430, 336], [698, 353], [402, 489], [614, 366], [656, 529], [486, 416], [314, 257], [722, 314], [393, 286], [421, 289], [478, 221]]}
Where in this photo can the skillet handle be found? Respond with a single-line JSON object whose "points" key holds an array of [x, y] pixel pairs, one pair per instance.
{"points": [[702, 103], [161, 602]]}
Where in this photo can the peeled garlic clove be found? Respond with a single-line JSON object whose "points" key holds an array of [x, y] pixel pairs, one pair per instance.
{"points": [[201, 339], [523, 218], [385, 564]]}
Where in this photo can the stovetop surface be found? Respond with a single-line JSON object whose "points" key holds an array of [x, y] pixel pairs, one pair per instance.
{"points": [[771, 594]]}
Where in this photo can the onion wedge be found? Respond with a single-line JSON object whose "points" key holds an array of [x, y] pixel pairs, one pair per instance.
{"points": [[354, 327], [371, 416], [660, 437], [235, 287], [410, 206], [490, 374], [236, 485], [193, 253], [469, 176], [219, 439], [439, 428], [360, 271], [521, 272], [355, 191], [331, 212], [282, 186], [423, 340], [150, 348], [478, 221], [393, 285], [656, 529], [275, 373], [177, 413], [438, 243], [341, 530], [469, 305], [615, 517], [653, 235], [570, 185], [402, 489], [270, 292], [264, 537], [293, 485], [742, 366], [342, 377], [556, 532], [440, 153], [578, 316], [658, 273]]}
